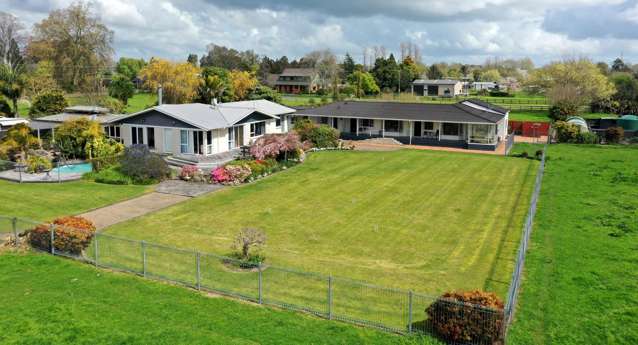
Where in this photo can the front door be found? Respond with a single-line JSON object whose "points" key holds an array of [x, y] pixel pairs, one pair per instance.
{"points": [[417, 129], [198, 142], [353, 125]]}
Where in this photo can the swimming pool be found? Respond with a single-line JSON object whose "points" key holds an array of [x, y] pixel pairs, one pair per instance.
{"points": [[81, 168]]}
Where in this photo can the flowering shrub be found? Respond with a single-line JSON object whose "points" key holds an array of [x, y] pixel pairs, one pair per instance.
{"points": [[237, 173], [188, 172], [72, 235], [455, 317], [277, 146], [219, 175]]}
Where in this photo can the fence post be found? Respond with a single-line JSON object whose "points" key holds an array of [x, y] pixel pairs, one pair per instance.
{"points": [[14, 226], [52, 231], [96, 248], [58, 164], [260, 283], [199, 272], [330, 297], [410, 311], [143, 258]]}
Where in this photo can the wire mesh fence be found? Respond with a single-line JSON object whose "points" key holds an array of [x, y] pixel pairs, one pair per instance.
{"points": [[515, 282], [335, 298]]}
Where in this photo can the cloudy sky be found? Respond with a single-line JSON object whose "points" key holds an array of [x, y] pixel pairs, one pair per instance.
{"points": [[463, 30]]}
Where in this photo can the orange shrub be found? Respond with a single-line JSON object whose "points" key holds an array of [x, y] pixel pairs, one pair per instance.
{"points": [[455, 318], [72, 235]]}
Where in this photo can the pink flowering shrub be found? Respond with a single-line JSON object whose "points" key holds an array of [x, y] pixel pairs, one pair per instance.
{"points": [[219, 175], [188, 172], [276, 146]]}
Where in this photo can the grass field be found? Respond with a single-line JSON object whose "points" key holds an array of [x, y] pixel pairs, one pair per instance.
{"points": [[57, 301], [429, 221], [43, 201], [581, 274], [139, 101]]}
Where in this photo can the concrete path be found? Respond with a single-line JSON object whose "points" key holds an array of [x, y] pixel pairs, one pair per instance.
{"points": [[125, 210]]}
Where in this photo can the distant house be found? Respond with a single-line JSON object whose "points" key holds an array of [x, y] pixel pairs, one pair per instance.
{"points": [[7, 122], [197, 129], [297, 80], [483, 85], [437, 87], [50, 122], [470, 124]]}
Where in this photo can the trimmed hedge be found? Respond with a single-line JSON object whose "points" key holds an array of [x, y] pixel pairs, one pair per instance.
{"points": [[72, 235], [455, 318]]}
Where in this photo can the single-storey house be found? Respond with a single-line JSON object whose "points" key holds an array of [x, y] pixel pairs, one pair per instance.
{"points": [[437, 87], [7, 122], [484, 85], [50, 122], [201, 129], [470, 124]]}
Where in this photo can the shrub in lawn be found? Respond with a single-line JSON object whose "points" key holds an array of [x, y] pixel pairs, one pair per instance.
{"points": [[72, 235], [237, 173], [248, 245], [614, 134], [457, 317], [496, 93], [523, 154], [566, 132], [587, 138], [111, 175], [48, 103], [318, 135], [141, 164]]}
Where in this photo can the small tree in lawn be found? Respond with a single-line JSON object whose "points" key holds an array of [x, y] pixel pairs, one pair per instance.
{"points": [[247, 242]]}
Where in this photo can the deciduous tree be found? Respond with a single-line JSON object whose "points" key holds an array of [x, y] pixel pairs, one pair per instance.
{"points": [[215, 82], [179, 81], [121, 88], [243, 82]]}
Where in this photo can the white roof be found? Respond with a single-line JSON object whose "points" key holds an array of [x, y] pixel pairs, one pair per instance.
{"points": [[436, 81], [10, 121], [222, 115]]}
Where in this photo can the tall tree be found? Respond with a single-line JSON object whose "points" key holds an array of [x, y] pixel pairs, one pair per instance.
{"points": [[122, 88], [39, 79], [179, 81], [243, 82], [12, 40], [363, 83], [434, 72], [619, 66], [408, 73], [215, 82], [192, 59], [11, 85], [230, 59], [348, 65], [386, 72], [130, 67], [77, 42]]}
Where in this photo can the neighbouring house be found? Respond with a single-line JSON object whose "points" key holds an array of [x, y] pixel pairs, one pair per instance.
{"points": [[297, 80], [470, 124], [484, 85], [50, 122], [437, 87], [7, 122], [196, 129]]}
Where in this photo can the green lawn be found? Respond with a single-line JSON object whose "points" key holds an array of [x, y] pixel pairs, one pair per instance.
{"points": [[581, 274], [428, 221], [51, 300], [141, 101], [535, 116], [43, 201]]}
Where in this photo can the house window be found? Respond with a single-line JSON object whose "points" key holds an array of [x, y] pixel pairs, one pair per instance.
{"points": [[451, 128], [183, 141], [428, 126], [112, 132], [366, 123], [137, 135], [257, 129], [278, 123], [323, 120], [393, 126]]}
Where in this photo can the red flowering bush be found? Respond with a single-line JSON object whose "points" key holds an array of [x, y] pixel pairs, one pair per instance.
{"points": [[456, 318], [219, 175], [72, 235], [277, 146]]}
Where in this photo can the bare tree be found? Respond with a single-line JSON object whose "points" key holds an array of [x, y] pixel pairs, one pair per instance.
{"points": [[13, 38], [248, 239]]}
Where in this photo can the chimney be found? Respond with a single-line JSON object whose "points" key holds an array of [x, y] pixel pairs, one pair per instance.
{"points": [[159, 95]]}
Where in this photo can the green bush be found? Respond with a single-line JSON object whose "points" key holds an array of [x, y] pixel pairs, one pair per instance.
{"points": [[614, 134], [587, 138], [566, 132], [143, 166], [562, 110], [455, 318], [114, 105], [111, 175], [5, 108], [48, 103], [319, 135], [496, 93]]}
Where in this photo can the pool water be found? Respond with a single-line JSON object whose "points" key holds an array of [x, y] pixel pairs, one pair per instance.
{"points": [[74, 169]]}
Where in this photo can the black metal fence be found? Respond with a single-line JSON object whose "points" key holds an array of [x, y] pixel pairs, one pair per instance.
{"points": [[334, 298]]}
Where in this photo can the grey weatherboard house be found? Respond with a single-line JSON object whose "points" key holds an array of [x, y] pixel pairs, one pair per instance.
{"points": [[469, 124]]}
